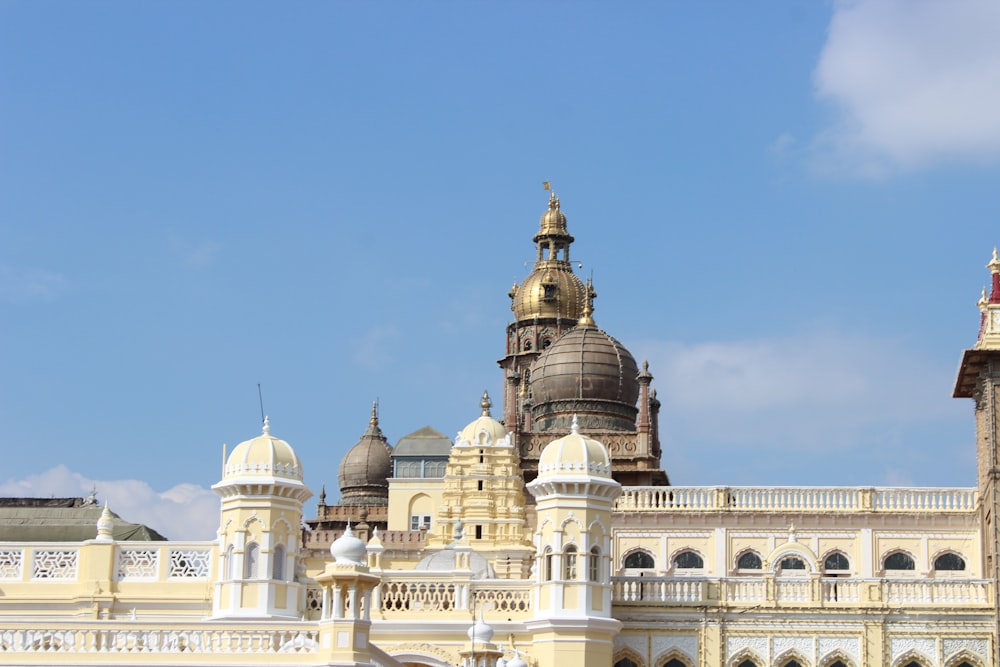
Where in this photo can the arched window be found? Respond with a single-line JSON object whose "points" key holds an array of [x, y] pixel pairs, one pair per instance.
{"points": [[791, 663], [569, 563], [792, 563], [547, 564], [747, 663], [837, 663], [639, 560], [250, 558], [278, 564], [949, 562], [688, 560], [836, 561], [626, 662], [230, 562], [594, 569], [899, 561], [674, 662], [749, 561]]}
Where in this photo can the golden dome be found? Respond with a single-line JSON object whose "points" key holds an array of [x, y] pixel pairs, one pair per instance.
{"points": [[263, 456], [552, 290], [574, 455], [484, 430], [553, 221]]}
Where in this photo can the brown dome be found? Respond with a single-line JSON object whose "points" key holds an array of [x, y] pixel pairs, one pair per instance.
{"points": [[589, 373], [366, 468]]}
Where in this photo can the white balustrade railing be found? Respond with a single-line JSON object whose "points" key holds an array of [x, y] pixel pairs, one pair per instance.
{"points": [[795, 590], [129, 637], [795, 499], [433, 591]]}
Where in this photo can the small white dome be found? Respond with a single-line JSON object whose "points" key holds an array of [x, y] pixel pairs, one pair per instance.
{"points": [[484, 430], [516, 661], [480, 632], [263, 456], [574, 455], [348, 549]]}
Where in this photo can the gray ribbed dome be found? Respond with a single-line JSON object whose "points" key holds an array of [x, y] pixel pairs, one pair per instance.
{"points": [[366, 468], [585, 372]]}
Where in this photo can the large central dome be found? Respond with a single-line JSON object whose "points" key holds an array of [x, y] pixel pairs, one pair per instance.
{"points": [[589, 373]]}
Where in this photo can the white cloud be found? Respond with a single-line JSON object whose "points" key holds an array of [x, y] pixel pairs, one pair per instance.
{"points": [[29, 285], [917, 82], [184, 512], [812, 391]]}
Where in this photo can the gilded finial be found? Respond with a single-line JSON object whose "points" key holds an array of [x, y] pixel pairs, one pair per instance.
{"points": [[994, 265], [374, 418], [586, 319], [485, 404]]}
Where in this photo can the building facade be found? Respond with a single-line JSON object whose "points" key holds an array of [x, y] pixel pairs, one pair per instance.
{"points": [[547, 538]]}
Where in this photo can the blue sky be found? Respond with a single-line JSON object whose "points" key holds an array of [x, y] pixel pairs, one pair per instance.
{"points": [[786, 208]]}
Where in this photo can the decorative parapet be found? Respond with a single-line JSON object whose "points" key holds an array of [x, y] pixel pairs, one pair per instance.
{"points": [[795, 499], [130, 637], [134, 561], [400, 595], [769, 590]]}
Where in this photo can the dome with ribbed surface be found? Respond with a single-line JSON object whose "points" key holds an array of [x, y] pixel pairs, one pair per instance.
{"points": [[264, 456], [589, 373], [574, 455], [366, 468]]}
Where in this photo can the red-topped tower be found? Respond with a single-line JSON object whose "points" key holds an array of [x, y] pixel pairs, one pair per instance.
{"points": [[979, 379]]}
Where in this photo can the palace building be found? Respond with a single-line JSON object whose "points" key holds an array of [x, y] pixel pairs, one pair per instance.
{"points": [[549, 535]]}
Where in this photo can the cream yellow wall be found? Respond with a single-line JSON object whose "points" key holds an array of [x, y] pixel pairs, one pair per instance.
{"points": [[403, 491]]}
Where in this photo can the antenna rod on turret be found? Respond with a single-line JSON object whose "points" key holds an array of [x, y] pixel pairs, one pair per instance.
{"points": [[260, 397]]}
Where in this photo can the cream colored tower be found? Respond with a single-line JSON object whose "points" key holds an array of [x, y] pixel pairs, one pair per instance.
{"points": [[575, 494], [484, 491], [262, 494]]}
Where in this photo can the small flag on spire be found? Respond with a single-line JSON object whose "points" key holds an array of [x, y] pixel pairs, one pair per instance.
{"points": [[546, 185]]}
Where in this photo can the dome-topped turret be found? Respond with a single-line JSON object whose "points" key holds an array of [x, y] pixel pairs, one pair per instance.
{"points": [[574, 455], [552, 290], [366, 468], [585, 372], [263, 456], [348, 549], [484, 430]]}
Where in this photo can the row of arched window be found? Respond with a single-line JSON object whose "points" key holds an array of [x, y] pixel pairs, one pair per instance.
{"points": [[835, 563], [571, 558], [787, 662], [251, 562]]}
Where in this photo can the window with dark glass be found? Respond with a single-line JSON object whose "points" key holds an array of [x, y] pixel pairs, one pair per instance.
{"points": [[837, 663], [950, 562], [569, 563], [688, 560], [836, 561], [278, 564], [899, 561], [791, 663], [547, 565], [749, 561], [625, 662], [792, 563], [674, 662], [594, 570], [639, 560], [747, 663]]}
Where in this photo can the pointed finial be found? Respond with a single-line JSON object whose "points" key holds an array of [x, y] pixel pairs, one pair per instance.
{"points": [[267, 425], [575, 427], [105, 525], [994, 267], [374, 418], [347, 531], [485, 404], [322, 494]]}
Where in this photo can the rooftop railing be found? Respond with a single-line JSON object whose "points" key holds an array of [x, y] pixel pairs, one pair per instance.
{"points": [[795, 499], [770, 590]]}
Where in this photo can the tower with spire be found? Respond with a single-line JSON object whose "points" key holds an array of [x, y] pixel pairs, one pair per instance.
{"points": [[558, 364]]}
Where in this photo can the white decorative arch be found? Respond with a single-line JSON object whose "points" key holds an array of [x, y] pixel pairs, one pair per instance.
{"points": [[673, 653], [788, 655], [792, 549], [913, 655], [964, 656], [254, 518], [833, 657], [747, 654]]}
